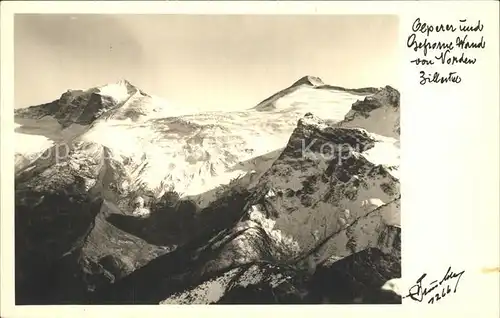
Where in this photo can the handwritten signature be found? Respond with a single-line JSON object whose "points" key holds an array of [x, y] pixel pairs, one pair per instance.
{"points": [[437, 289]]}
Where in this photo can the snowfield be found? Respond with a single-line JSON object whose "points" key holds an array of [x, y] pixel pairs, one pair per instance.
{"points": [[157, 149]]}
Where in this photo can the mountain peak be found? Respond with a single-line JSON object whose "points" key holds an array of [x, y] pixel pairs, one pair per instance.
{"points": [[309, 80], [84, 106], [124, 81], [118, 89]]}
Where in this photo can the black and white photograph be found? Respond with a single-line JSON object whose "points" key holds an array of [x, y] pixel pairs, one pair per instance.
{"points": [[247, 158], [206, 159]]}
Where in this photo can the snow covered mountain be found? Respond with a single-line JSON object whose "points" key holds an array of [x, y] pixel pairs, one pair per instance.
{"points": [[196, 152], [58, 122], [316, 207], [116, 189]]}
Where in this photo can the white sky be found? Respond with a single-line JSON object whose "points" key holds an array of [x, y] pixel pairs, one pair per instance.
{"points": [[205, 61]]}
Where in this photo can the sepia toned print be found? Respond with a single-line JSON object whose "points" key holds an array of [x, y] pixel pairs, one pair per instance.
{"points": [[183, 159]]}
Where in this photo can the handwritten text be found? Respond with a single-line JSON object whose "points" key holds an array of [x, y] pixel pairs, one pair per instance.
{"points": [[433, 48]]}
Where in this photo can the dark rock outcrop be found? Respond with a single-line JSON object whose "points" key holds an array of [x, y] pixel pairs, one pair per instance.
{"points": [[78, 106], [356, 279], [378, 113]]}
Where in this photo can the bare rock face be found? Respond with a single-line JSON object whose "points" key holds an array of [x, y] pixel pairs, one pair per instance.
{"points": [[378, 113], [386, 97], [358, 278], [84, 107], [62, 229], [48, 227], [346, 190]]}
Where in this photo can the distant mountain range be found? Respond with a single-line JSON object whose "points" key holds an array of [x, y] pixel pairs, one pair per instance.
{"points": [[121, 198]]}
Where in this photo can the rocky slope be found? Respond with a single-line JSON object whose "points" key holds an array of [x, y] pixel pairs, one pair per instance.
{"points": [[341, 225], [316, 212], [124, 204], [370, 113]]}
